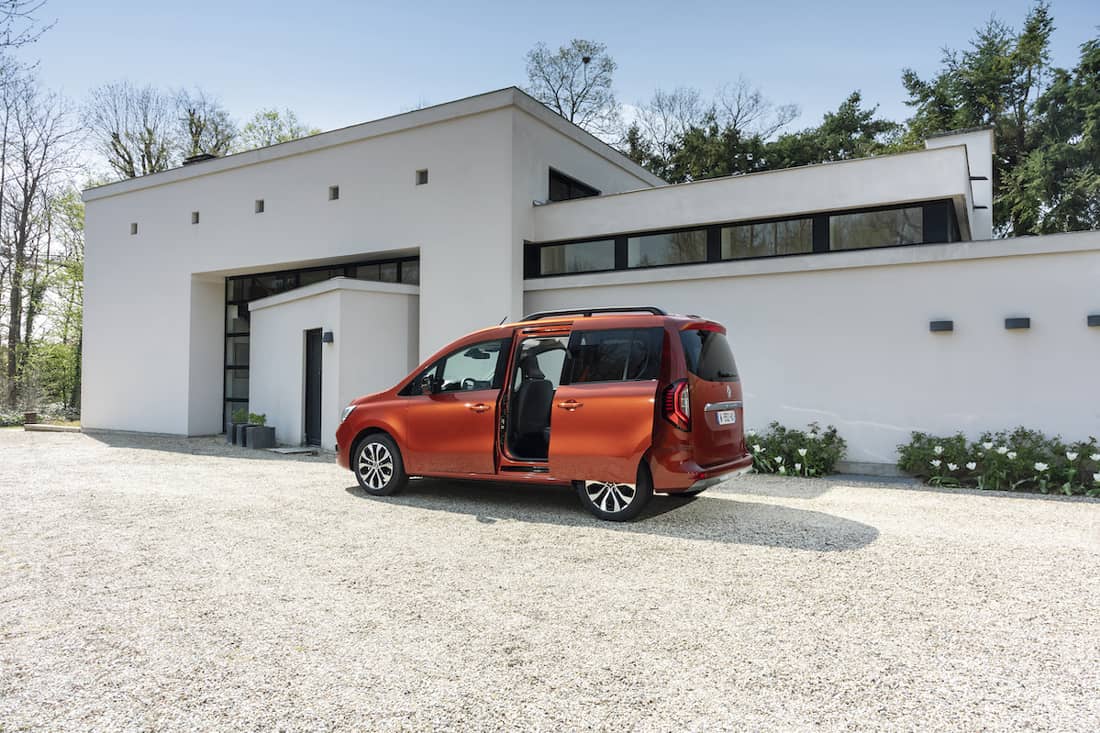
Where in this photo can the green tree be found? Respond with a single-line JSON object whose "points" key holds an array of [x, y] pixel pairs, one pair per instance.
{"points": [[852, 131], [996, 82], [711, 150], [1056, 187], [204, 125], [270, 127]]}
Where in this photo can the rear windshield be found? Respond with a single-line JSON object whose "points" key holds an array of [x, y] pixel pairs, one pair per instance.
{"points": [[708, 355]]}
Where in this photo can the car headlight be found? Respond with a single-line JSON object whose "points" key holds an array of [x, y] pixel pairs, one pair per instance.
{"points": [[347, 411]]}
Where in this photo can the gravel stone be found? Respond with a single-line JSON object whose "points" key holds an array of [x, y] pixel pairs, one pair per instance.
{"points": [[184, 584]]}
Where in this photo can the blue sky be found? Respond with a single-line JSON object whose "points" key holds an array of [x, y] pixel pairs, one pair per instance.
{"points": [[338, 63]]}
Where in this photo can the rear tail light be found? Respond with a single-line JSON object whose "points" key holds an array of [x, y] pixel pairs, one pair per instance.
{"points": [[677, 404]]}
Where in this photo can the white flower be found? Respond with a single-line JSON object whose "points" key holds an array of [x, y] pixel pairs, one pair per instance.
{"points": [[1040, 466], [1095, 456], [936, 463], [987, 446], [938, 450], [952, 467], [750, 432], [1012, 455], [779, 460], [971, 466], [1096, 477], [1071, 455], [782, 470], [802, 452], [1001, 449], [757, 449]]}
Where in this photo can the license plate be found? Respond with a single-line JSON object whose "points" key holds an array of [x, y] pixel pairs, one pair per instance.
{"points": [[727, 417]]}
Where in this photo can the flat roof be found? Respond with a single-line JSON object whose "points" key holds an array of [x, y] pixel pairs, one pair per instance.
{"points": [[440, 113]]}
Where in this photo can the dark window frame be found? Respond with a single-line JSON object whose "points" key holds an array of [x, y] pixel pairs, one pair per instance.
{"points": [[941, 208]]}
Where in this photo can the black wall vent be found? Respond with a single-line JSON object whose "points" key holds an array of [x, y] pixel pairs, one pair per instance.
{"points": [[941, 326], [1013, 324]]}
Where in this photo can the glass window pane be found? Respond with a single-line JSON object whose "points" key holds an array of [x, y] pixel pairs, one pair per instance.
{"points": [[615, 355], [876, 228], [794, 237], [239, 288], [236, 351], [471, 367], [367, 272], [667, 249], [577, 257], [410, 272], [767, 239], [236, 318], [236, 383], [316, 276], [388, 272]]}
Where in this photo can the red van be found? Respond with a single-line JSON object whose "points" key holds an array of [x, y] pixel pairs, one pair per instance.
{"points": [[617, 402]]}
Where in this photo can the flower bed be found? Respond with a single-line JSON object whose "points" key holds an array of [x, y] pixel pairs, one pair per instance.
{"points": [[811, 452], [1020, 460]]}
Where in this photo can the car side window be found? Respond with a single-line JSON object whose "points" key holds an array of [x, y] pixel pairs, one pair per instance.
{"points": [[540, 358], [471, 367], [614, 355]]}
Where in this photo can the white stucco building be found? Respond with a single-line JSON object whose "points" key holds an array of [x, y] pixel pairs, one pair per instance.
{"points": [[292, 278]]}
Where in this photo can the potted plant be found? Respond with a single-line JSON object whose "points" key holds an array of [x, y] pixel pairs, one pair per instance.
{"points": [[238, 419], [259, 435]]}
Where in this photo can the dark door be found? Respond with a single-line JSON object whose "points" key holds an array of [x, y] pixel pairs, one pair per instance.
{"points": [[313, 387]]}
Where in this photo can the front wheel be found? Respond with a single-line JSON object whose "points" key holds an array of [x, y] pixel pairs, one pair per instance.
{"points": [[616, 502], [378, 467]]}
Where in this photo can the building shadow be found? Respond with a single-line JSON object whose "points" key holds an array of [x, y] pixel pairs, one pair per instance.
{"points": [[709, 518], [208, 445]]}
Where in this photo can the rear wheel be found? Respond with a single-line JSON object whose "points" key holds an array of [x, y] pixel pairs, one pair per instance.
{"points": [[378, 467], [617, 502]]}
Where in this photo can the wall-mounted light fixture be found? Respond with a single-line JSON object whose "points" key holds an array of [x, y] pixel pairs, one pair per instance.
{"points": [[941, 326], [1014, 324], [327, 337], [1094, 320]]}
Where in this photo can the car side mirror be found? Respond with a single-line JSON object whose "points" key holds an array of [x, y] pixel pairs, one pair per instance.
{"points": [[428, 384]]}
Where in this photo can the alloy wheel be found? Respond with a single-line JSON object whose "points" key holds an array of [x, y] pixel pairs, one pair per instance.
{"points": [[609, 496], [375, 465]]}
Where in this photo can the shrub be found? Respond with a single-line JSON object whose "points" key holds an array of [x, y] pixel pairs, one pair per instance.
{"points": [[1017, 460], [254, 419], [813, 452]]}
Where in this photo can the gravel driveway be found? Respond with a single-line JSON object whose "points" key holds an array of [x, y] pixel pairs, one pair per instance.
{"points": [[176, 584]]}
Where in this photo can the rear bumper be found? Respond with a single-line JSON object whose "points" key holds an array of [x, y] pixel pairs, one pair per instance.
{"points": [[690, 476]]}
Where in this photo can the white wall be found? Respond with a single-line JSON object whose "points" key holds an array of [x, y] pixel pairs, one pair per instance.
{"points": [[153, 321], [916, 176], [374, 346], [980, 147], [843, 338]]}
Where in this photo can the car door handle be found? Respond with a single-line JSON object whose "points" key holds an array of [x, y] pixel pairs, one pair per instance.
{"points": [[478, 407], [570, 405]]}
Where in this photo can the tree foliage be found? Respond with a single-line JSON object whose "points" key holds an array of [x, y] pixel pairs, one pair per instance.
{"points": [[576, 82], [996, 82], [270, 127], [1056, 187]]}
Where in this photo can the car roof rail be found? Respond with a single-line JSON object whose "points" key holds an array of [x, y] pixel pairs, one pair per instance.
{"points": [[592, 311]]}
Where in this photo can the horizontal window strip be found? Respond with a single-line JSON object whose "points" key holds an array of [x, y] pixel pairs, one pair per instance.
{"points": [[928, 222]]}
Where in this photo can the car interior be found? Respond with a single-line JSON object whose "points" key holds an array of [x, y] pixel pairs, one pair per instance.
{"points": [[537, 376]]}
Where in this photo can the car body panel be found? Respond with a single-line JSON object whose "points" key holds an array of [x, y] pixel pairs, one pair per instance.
{"points": [[451, 432], [600, 430]]}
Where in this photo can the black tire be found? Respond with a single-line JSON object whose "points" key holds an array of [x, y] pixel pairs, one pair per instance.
{"points": [[601, 498], [370, 460]]}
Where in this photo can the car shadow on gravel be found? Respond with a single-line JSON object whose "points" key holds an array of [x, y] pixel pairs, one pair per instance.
{"points": [[714, 519]]}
